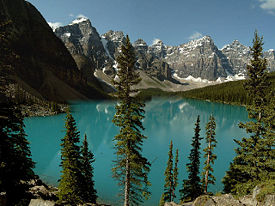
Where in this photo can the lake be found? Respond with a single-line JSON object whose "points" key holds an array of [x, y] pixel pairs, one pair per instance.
{"points": [[166, 120]]}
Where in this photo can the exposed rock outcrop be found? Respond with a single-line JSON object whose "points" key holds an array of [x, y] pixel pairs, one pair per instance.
{"points": [[45, 68]]}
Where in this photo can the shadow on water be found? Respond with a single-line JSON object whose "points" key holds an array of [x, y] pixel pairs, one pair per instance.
{"points": [[166, 120]]}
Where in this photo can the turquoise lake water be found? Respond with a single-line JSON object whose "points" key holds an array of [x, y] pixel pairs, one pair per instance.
{"points": [[166, 120]]}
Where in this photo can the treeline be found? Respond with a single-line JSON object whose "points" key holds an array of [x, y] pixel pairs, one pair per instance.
{"points": [[228, 92]]}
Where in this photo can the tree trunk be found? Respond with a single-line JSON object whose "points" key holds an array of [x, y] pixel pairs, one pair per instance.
{"points": [[207, 171], [127, 183]]}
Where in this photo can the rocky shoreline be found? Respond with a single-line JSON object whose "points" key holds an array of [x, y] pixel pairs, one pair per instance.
{"points": [[42, 110]]}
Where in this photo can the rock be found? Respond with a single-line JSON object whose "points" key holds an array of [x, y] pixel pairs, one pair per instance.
{"points": [[43, 192], [269, 200], [226, 200], [201, 200], [171, 204], [3, 198], [40, 202], [248, 200]]}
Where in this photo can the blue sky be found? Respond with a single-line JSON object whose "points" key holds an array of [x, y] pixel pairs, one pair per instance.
{"points": [[173, 21]]}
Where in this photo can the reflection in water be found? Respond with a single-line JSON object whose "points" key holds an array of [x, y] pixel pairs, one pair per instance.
{"points": [[165, 120]]}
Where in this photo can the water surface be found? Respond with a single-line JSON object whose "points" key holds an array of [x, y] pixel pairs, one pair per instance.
{"points": [[165, 120]]}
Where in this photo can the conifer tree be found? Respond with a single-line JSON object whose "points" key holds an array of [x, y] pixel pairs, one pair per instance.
{"points": [[255, 156], [162, 201], [16, 165], [175, 175], [169, 178], [70, 185], [208, 177], [131, 168], [87, 158], [192, 186]]}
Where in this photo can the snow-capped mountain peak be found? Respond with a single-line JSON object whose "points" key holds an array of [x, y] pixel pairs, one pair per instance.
{"points": [[79, 20]]}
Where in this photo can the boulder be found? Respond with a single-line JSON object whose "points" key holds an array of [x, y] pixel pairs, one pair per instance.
{"points": [[40, 202], [3, 198], [170, 204], [226, 200], [202, 200]]}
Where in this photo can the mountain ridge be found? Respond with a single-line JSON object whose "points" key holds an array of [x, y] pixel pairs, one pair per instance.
{"points": [[198, 60]]}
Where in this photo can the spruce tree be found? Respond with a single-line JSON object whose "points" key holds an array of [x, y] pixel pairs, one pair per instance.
{"points": [[192, 186], [87, 159], [70, 185], [131, 168], [169, 178], [16, 165], [175, 175], [162, 201], [255, 155], [208, 177]]}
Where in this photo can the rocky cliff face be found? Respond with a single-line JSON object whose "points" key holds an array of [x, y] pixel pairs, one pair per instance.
{"points": [[237, 56], [85, 45], [45, 69], [198, 58], [270, 57]]}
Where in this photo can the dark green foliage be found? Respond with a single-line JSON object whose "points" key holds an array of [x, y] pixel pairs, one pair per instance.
{"points": [[70, 185], [16, 165], [192, 186], [228, 92], [87, 158], [208, 177], [131, 168], [175, 175], [161, 201], [255, 156], [169, 178]]}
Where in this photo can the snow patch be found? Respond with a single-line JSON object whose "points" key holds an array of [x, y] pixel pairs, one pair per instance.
{"points": [[67, 34], [54, 25], [79, 20]]}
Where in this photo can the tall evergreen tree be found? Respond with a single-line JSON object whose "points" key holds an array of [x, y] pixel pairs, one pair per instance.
{"points": [[175, 175], [131, 168], [70, 185], [255, 156], [16, 165], [169, 178], [87, 158], [192, 186], [208, 177]]}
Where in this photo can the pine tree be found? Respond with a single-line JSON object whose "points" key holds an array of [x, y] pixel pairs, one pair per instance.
{"points": [[16, 165], [131, 168], [208, 177], [255, 156], [192, 186], [175, 175], [70, 185], [87, 158], [169, 178], [162, 201]]}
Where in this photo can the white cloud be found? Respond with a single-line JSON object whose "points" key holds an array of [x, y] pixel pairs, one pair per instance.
{"points": [[195, 35], [81, 16], [55, 25], [268, 5], [71, 15]]}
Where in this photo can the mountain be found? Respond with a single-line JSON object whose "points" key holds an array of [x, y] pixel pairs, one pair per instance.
{"points": [[46, 69], [198, 59]]}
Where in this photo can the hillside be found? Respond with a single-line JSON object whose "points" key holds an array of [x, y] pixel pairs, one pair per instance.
{"points": [[44, 68]]}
